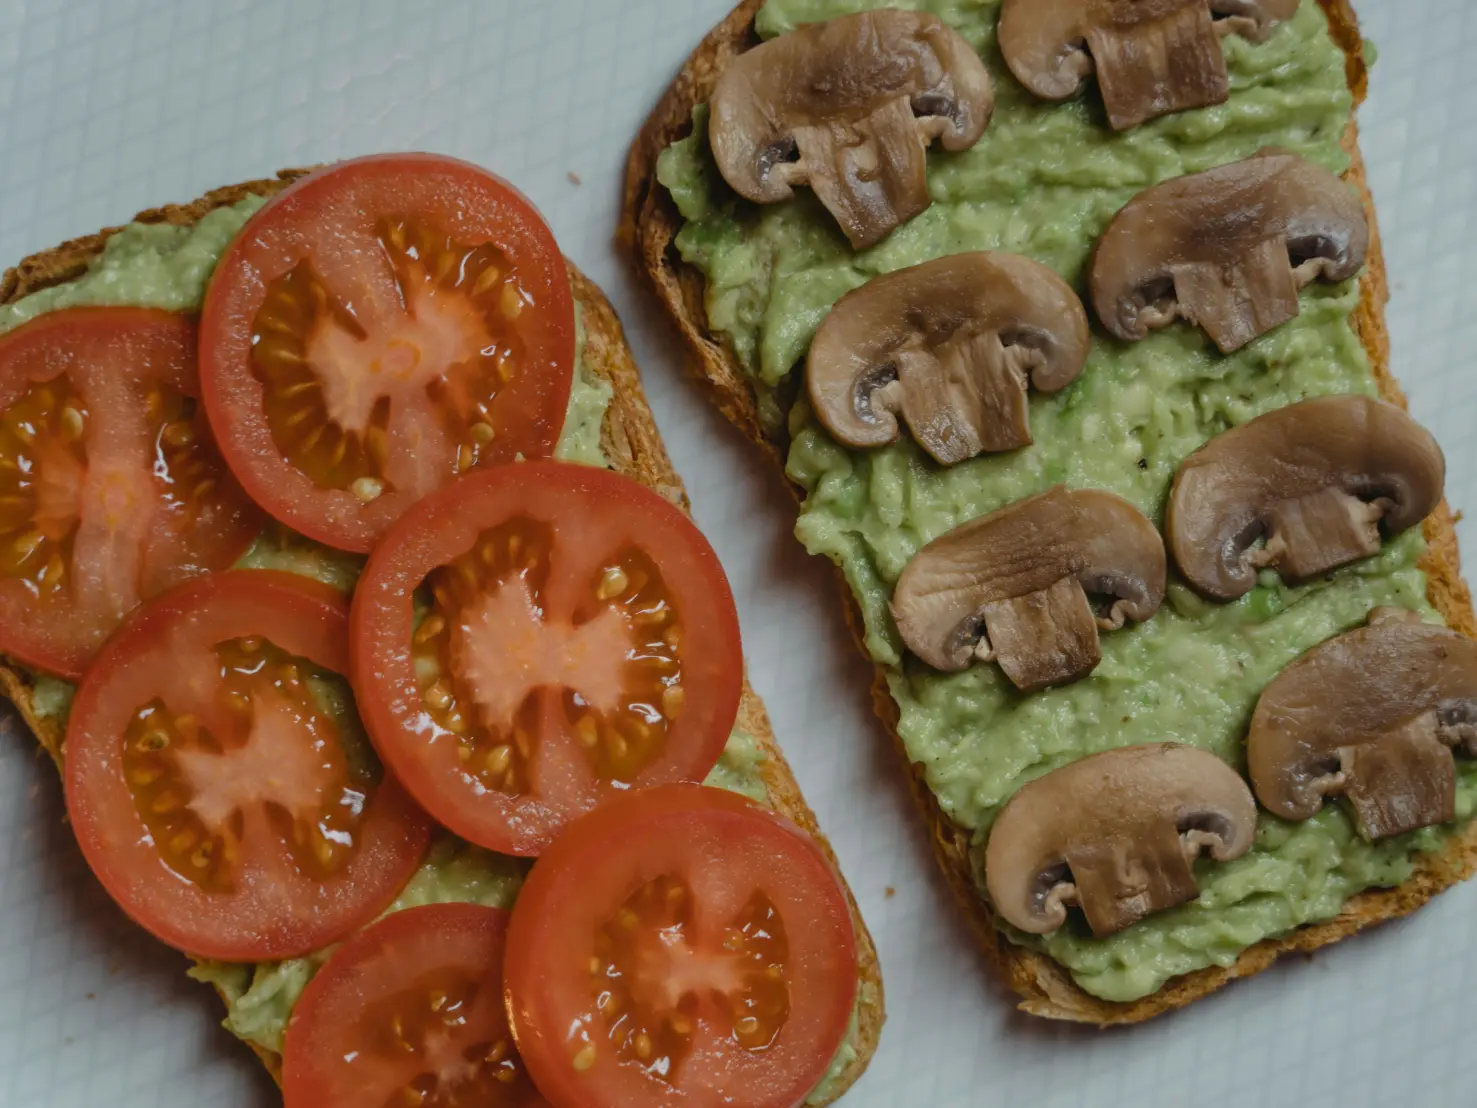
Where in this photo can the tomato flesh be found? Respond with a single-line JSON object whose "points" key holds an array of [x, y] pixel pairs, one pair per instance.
{"points": [[409, 1012], [215, 779], [680, 946], [111, 488], [577, 638], [376, 329]]}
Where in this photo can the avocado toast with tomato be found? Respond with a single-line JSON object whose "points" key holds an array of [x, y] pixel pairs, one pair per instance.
{"points": [[766, 227], [165, 260]]}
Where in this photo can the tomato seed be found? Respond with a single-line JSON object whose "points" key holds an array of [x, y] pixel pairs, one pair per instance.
{"points": [[71, 423], [178, 434], [510, 302], [482, 433], [643, 1046], [367, 489], [164, 802], [673, 699], [432, 626], [585, 1058], [499, 760], [489, 278], [612, 583], [438, 696], [152, 741]]}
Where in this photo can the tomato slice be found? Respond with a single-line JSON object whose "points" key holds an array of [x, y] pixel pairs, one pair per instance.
{"points": [[409, 1012], [377, 328], [680, 946], [215, 779], [575, 637], [111, 488]]}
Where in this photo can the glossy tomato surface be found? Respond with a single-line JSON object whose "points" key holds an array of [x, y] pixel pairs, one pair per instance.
{"points": [[111, 488], [377, 328], [216, 778], [681, 946], [409, 1011], [533, 639]]}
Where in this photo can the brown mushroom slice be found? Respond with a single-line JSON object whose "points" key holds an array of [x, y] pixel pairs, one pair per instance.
{"points": [[1115, 834], [1012, 587], [849, 107], [1317, 480], [1152, 57], [951, 345], [1227, 249], [1373, 715]]}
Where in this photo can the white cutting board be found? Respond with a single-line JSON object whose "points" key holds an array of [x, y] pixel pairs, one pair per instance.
{"points": [[109, 106]]}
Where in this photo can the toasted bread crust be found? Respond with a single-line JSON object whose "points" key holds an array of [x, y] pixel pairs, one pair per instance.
{"points": [[649, 223], [629, 438]]}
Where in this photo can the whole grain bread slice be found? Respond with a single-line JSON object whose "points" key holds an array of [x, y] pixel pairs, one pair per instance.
{"points": [[631, 442], [650, 222]]}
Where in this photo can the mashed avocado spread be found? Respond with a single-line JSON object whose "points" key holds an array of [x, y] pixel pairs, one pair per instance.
{"points": [[1044, 181], [167, 266]]}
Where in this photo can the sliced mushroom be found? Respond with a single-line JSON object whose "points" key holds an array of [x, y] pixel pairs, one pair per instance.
{"points": [[1373, 715], [1115, 834], [1012, 587], [1316, 480], [849, 107], [1227, 249], [952, 346], [1152, 57]]}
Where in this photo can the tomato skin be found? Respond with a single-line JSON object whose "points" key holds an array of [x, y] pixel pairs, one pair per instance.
{"points": [[114, 358], [702, 834], [476, 206], [145, 659], [326, 1060], [597, 509]]}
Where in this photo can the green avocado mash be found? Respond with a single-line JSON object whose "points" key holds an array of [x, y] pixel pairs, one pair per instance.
{"points": [[1044, 181], [165, 266]]}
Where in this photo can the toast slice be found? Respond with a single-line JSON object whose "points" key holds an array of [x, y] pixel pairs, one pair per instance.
{"points": [[649, 224], [629, 439]]}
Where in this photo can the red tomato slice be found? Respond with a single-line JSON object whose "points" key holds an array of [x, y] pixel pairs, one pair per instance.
{"points": [[409, 1011], [217, 793], [111, 488], [578, 639], [377, 328], [680, 946]]}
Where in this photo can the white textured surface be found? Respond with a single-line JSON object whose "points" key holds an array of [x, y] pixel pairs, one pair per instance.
{"points": [[109, 106]]}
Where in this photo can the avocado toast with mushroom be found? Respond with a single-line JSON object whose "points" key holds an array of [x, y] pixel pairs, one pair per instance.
{"points": [[165, 259], [749, 287]]}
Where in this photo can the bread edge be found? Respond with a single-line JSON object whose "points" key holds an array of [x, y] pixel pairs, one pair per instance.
{"points": [[629, 438], [650, 221]]}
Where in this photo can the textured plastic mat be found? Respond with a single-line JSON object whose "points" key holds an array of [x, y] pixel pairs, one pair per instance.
{"points": [[109, 106]]}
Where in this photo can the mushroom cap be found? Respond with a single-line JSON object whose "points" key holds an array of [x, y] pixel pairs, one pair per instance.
{"points": [[1115, 833], [950, 345], [1098, 541], [1152, 57], [1227, 248], [848, 107], [1316, 479], [1318, 718]]}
